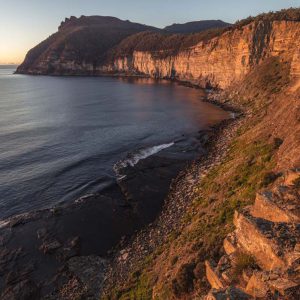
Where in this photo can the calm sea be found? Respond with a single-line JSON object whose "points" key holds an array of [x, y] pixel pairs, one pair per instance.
{"points": [[61, 136]]}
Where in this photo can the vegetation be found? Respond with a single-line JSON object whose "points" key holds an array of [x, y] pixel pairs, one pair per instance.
{"points": [[290, 14], [197, 26], [243, 262], [84, 39], [227, 187], [164, 44], [100, 40], [261, 85], [183, 283]]}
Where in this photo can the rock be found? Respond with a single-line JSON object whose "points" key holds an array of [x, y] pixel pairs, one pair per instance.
{"points": [[24, 290], [213, 278], [49, 247], [75, 242], [231, 293], [247, 274], [90, 270], [8, 257], [271, 244], [229, 243], [124, 256], [257, 286], [291, 176], [269, 231], [269, 207], [41, 233], [16, 221], [285, 287], [5, 237], [17, 276]]}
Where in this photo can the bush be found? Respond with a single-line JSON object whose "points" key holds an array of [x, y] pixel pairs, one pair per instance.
{"points": [[269, 178], [183, 282], [243, 261]]}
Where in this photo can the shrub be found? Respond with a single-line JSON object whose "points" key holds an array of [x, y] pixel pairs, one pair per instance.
{"points": [[243, 261], [183, 282], [269, 178]]}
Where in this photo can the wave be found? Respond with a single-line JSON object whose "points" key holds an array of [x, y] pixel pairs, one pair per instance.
{"points": [[133, 158]]}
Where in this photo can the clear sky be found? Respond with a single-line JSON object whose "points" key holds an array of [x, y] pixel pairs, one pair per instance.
{"points": [[24, 23]]}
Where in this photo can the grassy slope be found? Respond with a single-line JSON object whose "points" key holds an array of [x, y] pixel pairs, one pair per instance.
{"points": [[176, 270]]}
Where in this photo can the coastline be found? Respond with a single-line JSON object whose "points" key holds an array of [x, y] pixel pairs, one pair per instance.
{"points": [[213, 214], [58, 236], [132, 252]]}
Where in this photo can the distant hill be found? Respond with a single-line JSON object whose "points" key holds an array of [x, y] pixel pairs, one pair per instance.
{"points": [[80, 40], [197, 26]]}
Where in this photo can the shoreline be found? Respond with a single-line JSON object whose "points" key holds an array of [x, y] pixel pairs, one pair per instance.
{"points": [[133, 251], [57, 241]]}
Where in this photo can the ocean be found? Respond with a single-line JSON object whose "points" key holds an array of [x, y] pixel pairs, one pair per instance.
{"points": [[64, 137]]}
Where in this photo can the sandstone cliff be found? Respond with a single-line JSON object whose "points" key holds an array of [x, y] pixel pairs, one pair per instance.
{"points": [[222, 60], [211, 62]]}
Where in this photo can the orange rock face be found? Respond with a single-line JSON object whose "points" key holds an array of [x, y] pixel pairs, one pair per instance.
{"points": [[222, 60]]}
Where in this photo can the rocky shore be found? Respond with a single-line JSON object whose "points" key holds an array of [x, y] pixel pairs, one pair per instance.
{"points": [[76, 249], [132, 252]]}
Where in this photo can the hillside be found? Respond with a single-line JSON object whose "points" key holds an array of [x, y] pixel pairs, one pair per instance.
{"points": [[197, 26], [79, 42], [238, 235], [219, 247]]}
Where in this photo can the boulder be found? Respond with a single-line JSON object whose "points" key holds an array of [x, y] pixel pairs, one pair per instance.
{"points": [[270, 207], [49, 247], [285, 287], [271, 244], [214, 279], [229, 244], [291, 176], [231, 293], [257, 286]]}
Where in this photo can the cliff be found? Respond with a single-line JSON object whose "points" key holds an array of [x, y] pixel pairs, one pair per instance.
{"points": [[82, 46], [222, 60], [209, 59]]}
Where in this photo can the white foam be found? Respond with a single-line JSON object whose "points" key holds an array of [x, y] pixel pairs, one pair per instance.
{"points": [[134, 158], [4, 223]]}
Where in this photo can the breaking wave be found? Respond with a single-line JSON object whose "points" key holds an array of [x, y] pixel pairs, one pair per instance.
{"points": [[133, 158]]}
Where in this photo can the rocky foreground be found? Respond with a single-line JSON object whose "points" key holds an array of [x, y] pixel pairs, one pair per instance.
{"points": [[264, 248], [65, 252]]}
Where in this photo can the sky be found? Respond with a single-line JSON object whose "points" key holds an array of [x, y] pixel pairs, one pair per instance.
{"points": [[25, 23]]}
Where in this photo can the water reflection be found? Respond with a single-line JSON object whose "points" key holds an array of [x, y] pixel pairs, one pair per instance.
{"points": [[60, 136]]}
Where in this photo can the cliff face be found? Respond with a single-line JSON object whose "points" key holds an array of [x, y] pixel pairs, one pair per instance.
{"points": [[212, 62], [222, 60], [79, 45]]}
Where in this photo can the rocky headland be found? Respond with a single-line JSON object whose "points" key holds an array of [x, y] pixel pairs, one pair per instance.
{"points": [[229, 227]]}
